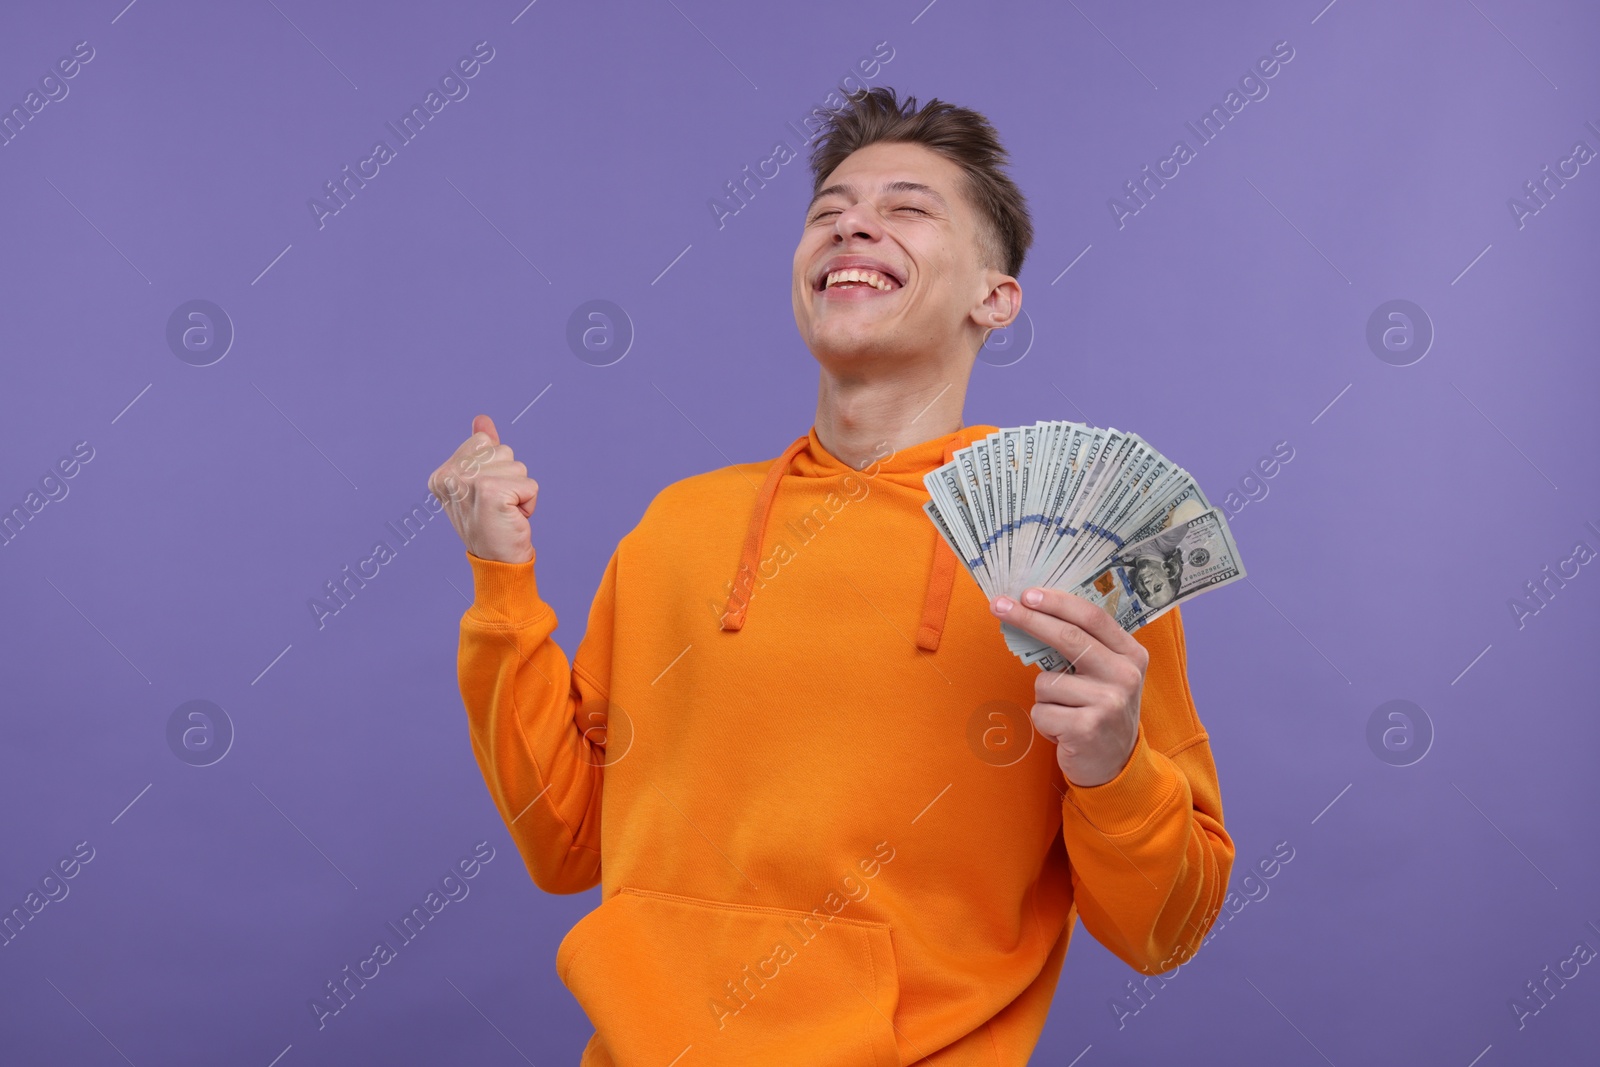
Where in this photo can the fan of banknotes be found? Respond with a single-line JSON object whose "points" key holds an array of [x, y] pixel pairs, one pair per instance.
{"points": [[1091, 510]]}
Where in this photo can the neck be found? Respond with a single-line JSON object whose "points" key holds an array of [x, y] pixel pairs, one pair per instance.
{"points": [[857, 417]]}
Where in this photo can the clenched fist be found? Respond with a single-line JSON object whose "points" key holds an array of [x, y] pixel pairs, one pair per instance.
{"points": [[488, 496]]}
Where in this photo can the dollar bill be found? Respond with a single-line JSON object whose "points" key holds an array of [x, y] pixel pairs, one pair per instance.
{"points": [[1148, 578], [1066, 505]]}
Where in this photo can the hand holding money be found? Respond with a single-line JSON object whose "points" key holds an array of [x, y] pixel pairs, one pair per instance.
{"points": [[488, 496], [1090, 710], [1092, 511]]}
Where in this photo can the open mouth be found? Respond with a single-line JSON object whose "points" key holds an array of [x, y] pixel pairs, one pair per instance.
{"points": [[858, 279]]}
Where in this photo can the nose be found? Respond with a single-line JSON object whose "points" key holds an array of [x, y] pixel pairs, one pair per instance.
{"points": [[857, 220]]}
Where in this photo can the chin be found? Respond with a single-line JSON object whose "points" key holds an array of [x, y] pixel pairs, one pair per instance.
{"points": [[846, 333], [855, 347]]}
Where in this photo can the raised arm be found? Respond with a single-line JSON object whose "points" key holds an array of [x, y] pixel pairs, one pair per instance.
{"points": [[1150, 855], [1142, 813], [537, 724]]}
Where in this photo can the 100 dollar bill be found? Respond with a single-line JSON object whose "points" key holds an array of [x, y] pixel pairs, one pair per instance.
{"points": [[1147, 578]]}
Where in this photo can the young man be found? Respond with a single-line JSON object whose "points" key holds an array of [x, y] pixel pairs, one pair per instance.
{"points": [[791, 746]]}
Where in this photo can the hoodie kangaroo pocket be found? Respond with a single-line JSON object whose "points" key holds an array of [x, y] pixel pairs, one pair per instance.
{"points": [[660, 975]]}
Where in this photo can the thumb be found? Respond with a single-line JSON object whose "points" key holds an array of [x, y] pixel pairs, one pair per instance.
{"points": [[484, 424]]}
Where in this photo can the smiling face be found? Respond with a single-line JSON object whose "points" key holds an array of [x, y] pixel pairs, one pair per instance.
{"points": [[897, 213]]}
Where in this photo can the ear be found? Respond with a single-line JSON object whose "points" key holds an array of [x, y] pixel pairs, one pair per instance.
{"points": [[1002, 305]]}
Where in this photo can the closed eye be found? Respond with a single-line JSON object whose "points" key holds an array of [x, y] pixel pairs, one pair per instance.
{"points": [[835, 211]]}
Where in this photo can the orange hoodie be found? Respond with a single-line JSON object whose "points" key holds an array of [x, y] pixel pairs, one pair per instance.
{"points": [[830, 834]]}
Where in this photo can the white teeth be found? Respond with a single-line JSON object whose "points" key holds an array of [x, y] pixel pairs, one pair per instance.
{"points": [[871, 277]]}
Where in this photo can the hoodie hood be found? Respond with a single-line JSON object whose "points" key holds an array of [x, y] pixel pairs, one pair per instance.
{"points": [[807, 458]]}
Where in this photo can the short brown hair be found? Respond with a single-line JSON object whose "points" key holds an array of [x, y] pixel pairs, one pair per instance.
{"points": [[960, 135]]}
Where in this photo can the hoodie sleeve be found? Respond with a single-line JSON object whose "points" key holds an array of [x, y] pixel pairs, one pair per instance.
{"points": [[1149, 855], [537, 725]]}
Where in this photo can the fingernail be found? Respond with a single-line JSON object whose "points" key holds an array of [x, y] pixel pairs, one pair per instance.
{"points": [[1003, 604], [1032, 597]]}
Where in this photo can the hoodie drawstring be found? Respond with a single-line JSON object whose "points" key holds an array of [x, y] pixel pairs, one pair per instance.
{"points": [[941, 576], [744, 578], [941, 572]]}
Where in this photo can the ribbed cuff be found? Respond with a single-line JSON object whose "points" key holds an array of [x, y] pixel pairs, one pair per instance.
{"points": [[1143, 787], [505, 594]]}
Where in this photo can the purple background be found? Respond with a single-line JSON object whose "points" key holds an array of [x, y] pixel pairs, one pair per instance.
{"points": [[1229, 314]]}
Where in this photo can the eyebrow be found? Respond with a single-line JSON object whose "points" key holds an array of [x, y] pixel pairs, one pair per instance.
{"points": [[846, 189]]}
